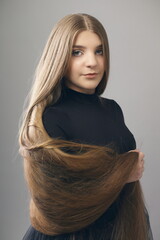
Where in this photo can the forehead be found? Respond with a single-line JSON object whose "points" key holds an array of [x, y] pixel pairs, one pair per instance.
{"points": [[87, 38]]}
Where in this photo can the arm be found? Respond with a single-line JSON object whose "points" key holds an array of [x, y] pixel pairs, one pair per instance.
{"points": [[131, 143], [137, 171], [55, 123]]}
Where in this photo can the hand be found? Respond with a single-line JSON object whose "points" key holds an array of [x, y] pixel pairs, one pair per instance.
{"points": [[137, 172]]}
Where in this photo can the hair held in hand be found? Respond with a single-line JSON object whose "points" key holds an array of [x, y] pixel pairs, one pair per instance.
{"points": [[73, 184]]}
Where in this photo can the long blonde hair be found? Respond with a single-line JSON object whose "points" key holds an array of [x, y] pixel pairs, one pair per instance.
{"points": [[41, 152], [55, 60]]}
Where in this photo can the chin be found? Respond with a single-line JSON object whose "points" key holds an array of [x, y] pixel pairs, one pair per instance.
{"points": [[90, 86]]}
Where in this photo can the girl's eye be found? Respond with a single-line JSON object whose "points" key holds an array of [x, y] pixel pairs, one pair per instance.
{"points": [[99, 52], [76, 53]]}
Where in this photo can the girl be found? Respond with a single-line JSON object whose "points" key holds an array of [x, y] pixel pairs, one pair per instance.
{"points": [[80, 160]]}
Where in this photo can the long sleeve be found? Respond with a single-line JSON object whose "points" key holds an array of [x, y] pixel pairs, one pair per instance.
{"points": [[55, 123]]}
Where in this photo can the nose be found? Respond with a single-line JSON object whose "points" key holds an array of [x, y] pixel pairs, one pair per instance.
{"points": [[91, 60]]}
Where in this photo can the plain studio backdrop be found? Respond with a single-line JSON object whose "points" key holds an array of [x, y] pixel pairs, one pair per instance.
{"points": [[133, 29]]}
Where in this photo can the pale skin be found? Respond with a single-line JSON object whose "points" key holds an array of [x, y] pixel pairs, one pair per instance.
{"points": [[137, 173], [87, 63], [85, 73]]}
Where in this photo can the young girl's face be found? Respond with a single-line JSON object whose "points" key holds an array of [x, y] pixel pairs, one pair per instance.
{"points": [[86, 67]]}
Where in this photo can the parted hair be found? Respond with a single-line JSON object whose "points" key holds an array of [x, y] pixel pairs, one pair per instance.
{"points": [[70, 191]]}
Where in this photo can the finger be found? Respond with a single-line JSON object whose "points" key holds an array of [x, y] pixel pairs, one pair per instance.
{"points": [[141, 165], [141, 155], [135, 150]]}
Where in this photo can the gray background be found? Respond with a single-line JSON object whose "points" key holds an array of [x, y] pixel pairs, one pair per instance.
{"points": [[133, 28]]}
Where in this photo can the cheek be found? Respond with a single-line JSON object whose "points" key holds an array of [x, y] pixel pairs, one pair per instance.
{"points": [[76, 67], [71, 70], [103, 65]]}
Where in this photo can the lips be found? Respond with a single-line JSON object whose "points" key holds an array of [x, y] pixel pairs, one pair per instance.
{"points": [[90, 75], [93, 73]]}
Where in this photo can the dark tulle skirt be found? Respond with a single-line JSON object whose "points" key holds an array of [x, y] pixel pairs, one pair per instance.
{"points": [[84, 234], [101, 229]]}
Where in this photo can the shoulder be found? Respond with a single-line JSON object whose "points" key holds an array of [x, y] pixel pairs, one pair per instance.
{"points": [[110, 102], [113, 106], [54, 113], [55, 121]]}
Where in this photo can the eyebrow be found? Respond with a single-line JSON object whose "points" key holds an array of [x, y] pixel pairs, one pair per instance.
{"points": [[80, 46]]}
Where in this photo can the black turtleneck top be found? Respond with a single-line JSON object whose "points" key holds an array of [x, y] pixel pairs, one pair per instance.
{"points": [[88, 118]]}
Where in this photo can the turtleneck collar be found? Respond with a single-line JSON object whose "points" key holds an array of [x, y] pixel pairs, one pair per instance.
{"points": [[80, 97]]}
